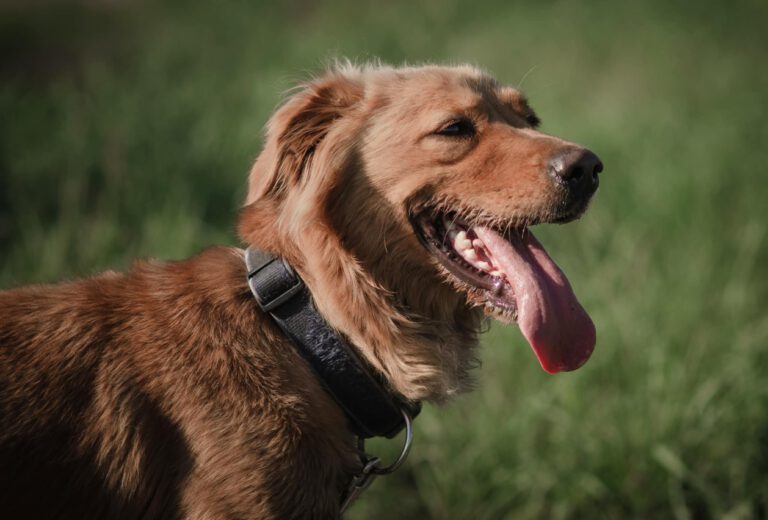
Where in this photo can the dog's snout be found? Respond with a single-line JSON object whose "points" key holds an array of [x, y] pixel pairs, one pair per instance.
{"points": [[578, 170]]}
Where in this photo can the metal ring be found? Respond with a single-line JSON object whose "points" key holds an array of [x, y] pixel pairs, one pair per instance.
{"points": [[406, 448]]}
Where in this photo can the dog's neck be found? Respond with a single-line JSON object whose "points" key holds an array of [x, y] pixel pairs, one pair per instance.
{"points": [[371, 408]]}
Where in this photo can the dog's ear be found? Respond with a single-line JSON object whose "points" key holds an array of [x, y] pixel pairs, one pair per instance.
{"points": [[297, 129]]}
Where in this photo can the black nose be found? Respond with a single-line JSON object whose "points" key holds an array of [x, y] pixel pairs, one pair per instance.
{"points": [[578, 170]]}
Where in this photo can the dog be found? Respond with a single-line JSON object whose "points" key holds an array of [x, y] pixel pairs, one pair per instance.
{"points": [[402, 198]]}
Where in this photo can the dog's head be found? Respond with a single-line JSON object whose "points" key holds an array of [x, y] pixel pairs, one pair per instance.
{"points": [[407, 194]]}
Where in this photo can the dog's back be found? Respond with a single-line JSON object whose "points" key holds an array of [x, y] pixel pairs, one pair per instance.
{"points": [[159, 393]]}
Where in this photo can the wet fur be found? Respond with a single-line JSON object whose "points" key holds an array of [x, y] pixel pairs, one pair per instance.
{"points": [[165, 392]]}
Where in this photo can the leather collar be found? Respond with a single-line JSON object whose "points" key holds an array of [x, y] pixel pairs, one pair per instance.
{"points": [[371, 408]]}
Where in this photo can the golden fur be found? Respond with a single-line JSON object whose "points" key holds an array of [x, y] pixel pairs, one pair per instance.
{"points": [[166, 393]]}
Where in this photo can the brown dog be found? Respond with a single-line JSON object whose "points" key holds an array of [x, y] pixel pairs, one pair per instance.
{"points": [[402, 197]]}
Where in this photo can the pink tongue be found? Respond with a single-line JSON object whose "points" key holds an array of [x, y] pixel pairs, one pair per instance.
{"points": [[549, 315]]}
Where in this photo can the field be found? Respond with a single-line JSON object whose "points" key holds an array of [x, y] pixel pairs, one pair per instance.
{"points": [[127, 130]]}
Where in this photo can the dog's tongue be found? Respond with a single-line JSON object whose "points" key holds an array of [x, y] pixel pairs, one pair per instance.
{"points": [[549, 315]]}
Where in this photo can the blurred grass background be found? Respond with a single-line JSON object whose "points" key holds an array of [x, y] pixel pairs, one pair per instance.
{"points": [[127, 130]]}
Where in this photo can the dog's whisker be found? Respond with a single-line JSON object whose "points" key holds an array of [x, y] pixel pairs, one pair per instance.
{"points": [[525, 76]]}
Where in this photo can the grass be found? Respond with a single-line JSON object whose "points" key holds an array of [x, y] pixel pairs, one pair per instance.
{"points": [[128, 131]]}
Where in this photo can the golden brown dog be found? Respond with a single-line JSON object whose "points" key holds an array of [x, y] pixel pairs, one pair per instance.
{"points": [[403, 198]]}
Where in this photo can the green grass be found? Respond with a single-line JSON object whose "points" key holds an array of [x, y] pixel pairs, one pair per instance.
{"points": [[129, 131]]}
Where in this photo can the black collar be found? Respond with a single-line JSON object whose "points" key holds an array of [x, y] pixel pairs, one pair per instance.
{"points": [[372, 409]]}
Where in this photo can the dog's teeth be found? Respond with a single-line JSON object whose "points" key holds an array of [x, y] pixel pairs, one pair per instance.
{"points": [[495, 272], [462, 242], [470, 254], [485, 266], [478, 243]]}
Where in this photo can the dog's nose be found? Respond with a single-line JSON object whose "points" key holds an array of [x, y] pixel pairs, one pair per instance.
{"points": [[578, 170]]}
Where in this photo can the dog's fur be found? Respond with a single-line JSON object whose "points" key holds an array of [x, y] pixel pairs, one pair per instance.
{"points": [[165, 392]]}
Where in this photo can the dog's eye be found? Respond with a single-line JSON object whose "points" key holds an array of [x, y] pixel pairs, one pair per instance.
{"points": [[458, 128]]}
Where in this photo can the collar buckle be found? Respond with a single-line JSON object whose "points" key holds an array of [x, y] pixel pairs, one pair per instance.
{"points": [[272, 281]]}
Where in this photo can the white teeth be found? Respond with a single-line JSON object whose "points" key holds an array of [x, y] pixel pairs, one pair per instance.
{"points": [[468, 248], [461, 241]]}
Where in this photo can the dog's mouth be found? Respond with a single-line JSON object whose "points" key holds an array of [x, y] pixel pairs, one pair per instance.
{"points": [[515, 279]]}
